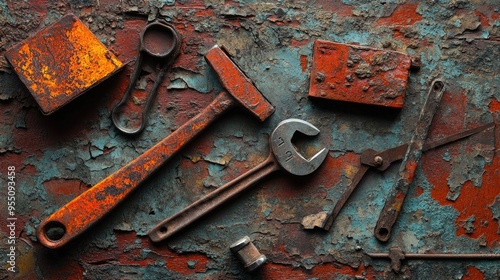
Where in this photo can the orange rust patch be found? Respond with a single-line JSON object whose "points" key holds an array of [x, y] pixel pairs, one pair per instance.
{"points": [[473, 274], [405, 14], [482, 18], [61, 62], [178, 263], [494, 105], [411, 166], [59, 187], [472, 201], [419, 191], [303, 62], [449, 115]]}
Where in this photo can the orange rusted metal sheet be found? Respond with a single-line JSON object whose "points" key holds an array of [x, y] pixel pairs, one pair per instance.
{"points": [[359, 74], [61, 62]]}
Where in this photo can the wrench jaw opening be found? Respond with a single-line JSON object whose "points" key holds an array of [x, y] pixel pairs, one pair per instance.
{"points": [[287, 155]]}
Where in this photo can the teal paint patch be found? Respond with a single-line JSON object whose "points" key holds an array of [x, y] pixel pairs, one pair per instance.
{"points": [[447, 156], [451, 69], [204, 82], [358, 137], [215, 172], [6, 13]]}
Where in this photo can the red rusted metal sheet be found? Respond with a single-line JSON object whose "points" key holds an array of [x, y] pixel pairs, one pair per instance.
{"points": [[359, 74], [61, 62]]}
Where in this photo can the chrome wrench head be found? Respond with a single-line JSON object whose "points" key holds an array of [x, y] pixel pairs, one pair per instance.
{"points": [[286, 154]]}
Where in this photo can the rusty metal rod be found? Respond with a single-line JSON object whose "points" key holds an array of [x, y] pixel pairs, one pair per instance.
{"points": [[439, 256], [393, 205]]}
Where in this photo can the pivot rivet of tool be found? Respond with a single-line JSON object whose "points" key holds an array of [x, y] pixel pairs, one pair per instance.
{"points": [[248, 254], [378, 160]]}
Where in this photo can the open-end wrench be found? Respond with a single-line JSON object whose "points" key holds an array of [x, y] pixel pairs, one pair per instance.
{"points": [[283, 155], [89, 207]]}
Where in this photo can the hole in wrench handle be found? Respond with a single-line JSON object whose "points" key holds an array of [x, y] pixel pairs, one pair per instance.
{"points": [[212, 200]]}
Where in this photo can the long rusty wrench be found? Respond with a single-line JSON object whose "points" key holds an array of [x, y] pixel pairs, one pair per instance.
{"points": [[381, 161], [89, 207], [393, 205], [282, 156]]}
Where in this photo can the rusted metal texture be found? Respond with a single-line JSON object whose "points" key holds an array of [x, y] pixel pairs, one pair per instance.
{"points": [[239, 85], [392, 208], [91, 206], [396, 255], [248, 254], [61, 62], [282, 156], [381, 161], [453, 205], [359, 74]]}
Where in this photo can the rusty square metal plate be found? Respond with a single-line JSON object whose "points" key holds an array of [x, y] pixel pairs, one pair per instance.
{"points": [[61, 62], [359, 74]]}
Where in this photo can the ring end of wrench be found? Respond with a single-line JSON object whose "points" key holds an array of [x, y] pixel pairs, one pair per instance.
{"points": [[52, 233]]}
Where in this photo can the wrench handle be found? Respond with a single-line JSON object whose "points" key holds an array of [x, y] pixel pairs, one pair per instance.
{"points": [[89, 207], [392, 207], [202, 206]]}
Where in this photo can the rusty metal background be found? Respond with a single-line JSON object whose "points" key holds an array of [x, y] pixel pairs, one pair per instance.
{"points": [[453, 205]]}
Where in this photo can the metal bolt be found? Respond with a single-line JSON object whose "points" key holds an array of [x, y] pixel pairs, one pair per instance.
{"points": [[378, 160], [248, 254], [416, 63], [320, 77]]}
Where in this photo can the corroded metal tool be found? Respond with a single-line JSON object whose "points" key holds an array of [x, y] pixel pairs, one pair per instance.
{"points": [[89, 207], [393, 205], [283, 155], [381, 161], [396, 255], [161, 41]]}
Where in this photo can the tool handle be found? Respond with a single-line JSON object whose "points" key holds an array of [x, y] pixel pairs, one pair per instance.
{"points": [[115, 118], [199, 208], [345, 196], [89, 207], [393, 205]]}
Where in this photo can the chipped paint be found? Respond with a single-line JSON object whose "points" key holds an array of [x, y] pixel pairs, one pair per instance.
{"points": [[272, 42]]}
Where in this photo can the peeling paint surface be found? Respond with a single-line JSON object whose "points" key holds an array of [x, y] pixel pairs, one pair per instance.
{"points": [[453, 205]]}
